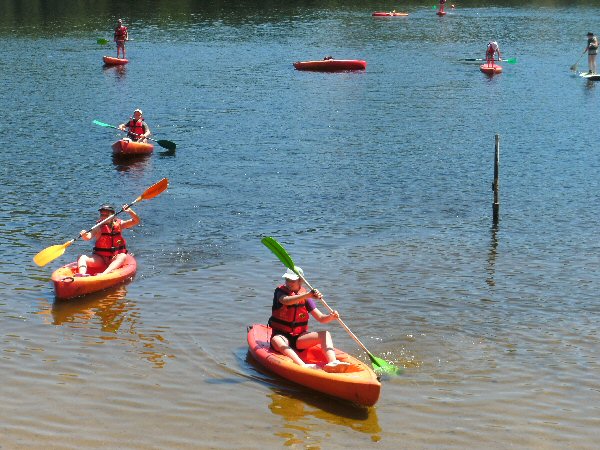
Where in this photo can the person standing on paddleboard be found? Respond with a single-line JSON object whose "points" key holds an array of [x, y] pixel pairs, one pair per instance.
{"points": [[592, 51], [442, 6], [121, 35], [110, 249], [492, 49], [289, 321], [138, 129]]}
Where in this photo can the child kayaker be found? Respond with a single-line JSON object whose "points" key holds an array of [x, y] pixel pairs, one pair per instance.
{"points": [[289, 321], [121, 35], [138, 129], [110, 250], [492, 49]]}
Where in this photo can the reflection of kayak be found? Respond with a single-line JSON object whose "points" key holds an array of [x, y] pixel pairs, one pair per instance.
{"points": [[389, 14], [66, 285], [125, 147], [590, 76], [490, 69], [331, 65], [359, 384], [110, 61]]}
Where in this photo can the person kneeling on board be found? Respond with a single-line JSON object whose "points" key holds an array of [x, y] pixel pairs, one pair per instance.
{"points": [[110, 249], [492, 48], [289, 321], [138, 129]]}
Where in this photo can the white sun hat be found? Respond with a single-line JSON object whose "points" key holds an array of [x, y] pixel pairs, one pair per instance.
{"points": [[291, 275]]}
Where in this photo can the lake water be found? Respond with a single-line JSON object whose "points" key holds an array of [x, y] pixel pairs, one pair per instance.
{"points": [[377, 183]]}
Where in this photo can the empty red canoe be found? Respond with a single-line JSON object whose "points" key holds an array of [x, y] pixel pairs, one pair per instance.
{"points": [[490, 69], [66, 285], [389, 14], [125, 147], [110, 61], [331, 65], [358, 384]]}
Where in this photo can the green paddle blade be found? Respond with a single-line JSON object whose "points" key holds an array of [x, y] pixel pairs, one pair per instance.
{"points": [[167, 144], [383, 367], [510, 60], [279, 251], [102, 124], [102, 41]]}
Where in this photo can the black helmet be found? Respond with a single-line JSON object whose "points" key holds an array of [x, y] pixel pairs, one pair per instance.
{"points": [[107, 207]]}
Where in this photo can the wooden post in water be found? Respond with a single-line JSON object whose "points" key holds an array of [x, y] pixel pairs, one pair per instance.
{"points": [[496, 206]]}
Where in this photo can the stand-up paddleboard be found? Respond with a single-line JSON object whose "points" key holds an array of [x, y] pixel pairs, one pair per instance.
{"points": [[331, 65], [590, 76], [110, 61], [490, 69], [441, 13], [389, 14]]}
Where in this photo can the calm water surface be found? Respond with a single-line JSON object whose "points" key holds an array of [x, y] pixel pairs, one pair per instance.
{"points": [[378, 184]]}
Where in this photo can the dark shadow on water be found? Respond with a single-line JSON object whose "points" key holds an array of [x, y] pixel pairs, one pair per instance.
{"points": [[119, 70], [491, 266], [166, 154], [135, 163]]}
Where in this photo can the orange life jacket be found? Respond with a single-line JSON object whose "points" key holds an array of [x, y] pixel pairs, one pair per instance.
{"points": [[136, 128], [291, 319], [110, 242], [120, 33]]}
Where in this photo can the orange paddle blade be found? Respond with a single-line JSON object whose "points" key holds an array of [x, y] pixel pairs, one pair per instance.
{"points": [[51, 253], [154, 190]]}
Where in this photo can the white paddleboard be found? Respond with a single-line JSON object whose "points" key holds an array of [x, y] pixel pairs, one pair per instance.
{"points": [[590, 76]]}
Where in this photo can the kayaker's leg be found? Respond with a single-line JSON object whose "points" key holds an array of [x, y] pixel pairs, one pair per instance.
{"points": [[281, 345], [117, 262]]}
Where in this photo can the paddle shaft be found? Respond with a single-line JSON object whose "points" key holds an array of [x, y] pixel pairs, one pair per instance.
{"points": [[352, 335]]}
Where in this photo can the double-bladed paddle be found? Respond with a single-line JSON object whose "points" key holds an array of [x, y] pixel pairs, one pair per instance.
{"points": [[51, 253], [163, 143], [379, 364], [509, 60]]}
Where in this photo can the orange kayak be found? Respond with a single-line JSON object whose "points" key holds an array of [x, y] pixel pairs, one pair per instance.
{"points": [[359, 384], [331, 65], [110, 61], [125, 147], [66, 285], [389, 14], [490, 69]]}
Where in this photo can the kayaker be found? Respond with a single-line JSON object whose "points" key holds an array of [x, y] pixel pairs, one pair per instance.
{"points": [[110, 249], [121, 35], [592, 51], [492, 49], [442, 5], [138, 129], [289, 321]]}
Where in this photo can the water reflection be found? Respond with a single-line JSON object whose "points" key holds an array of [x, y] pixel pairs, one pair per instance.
{"points": [[297, 413], [491, 266], [119, 70], [133, 164], [117, 317]]}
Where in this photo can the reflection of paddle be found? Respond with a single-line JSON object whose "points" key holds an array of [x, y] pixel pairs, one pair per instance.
{"points": [[378, 363], [51, 253], [163, 143], [574, 66], [509, 60]]}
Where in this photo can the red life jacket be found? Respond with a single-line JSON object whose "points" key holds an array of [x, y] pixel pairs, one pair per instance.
{"points": [[120, 33], [110, 242], [291, 319], [136, 128]]}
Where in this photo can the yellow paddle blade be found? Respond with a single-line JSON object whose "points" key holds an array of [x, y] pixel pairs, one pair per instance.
{"points": [[155, 189], [51, 253]]}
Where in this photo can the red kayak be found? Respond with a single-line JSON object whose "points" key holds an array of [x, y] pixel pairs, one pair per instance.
{"points": [[490, 69], [125, 147], [389, 14], [110, 61], [331, 65], [358, 383], [67, 285]]}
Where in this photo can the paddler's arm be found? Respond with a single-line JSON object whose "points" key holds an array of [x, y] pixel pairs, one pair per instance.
{"points": [[135, 219]]}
